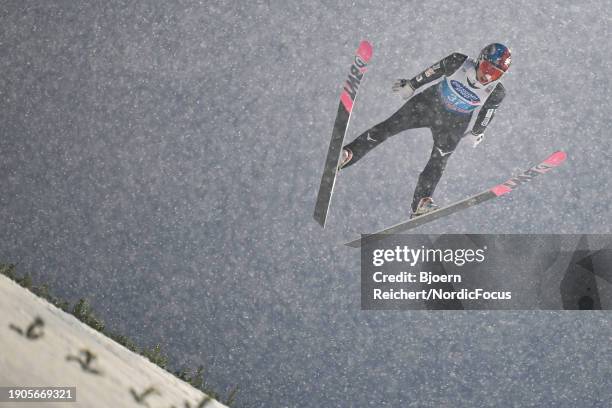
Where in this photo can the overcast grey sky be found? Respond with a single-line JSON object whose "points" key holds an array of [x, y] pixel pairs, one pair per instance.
{"points": [[162, 160]]}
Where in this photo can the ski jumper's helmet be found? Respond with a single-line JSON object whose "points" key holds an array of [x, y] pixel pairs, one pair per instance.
{"points": [[494, 60]]}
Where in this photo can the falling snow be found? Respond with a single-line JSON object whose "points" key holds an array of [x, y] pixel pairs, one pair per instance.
{"points": [[162, 160]]}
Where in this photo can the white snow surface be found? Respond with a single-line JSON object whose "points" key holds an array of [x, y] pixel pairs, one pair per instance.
{"points": [[162, 159], [49, 360]]}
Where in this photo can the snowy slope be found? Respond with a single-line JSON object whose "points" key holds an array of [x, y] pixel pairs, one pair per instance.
{"points": [[171, 152], [48, 359]]}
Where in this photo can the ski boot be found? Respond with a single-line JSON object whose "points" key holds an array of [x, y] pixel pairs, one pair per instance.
{"points": [[425, 206], [345, 157]]}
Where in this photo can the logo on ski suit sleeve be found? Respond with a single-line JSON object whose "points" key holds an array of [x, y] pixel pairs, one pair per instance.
{"points": [[456, 95]]}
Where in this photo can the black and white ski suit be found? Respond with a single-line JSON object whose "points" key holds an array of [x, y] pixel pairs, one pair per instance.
{"points": [[448, 100]]}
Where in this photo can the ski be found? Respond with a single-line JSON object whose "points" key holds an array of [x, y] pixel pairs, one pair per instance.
{"points": [[347, 101], [551, 162]]}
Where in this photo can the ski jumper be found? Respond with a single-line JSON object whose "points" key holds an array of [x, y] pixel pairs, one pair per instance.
{"points": [[448, 100]]}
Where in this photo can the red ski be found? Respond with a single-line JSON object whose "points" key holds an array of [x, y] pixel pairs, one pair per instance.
{"points": [[551, 162], [347, 100]]}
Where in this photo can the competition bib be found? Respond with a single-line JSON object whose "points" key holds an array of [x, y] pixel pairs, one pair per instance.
{"points": [[456, 93]]}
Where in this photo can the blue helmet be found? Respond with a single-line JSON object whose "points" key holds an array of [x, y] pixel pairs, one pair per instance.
{"points": [[497, 54]]}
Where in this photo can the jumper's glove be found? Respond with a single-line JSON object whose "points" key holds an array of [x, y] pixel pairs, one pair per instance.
{"points": [[403, 88], [476, 138]]}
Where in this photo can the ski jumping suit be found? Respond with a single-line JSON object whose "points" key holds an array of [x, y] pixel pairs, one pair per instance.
{"points": [[448, 100]]}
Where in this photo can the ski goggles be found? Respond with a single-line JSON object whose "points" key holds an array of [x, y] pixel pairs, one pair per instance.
{"points": [[489, 71]]}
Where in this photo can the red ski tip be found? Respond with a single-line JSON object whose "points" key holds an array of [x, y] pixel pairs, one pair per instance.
{"points": [[365, 51], [556, 159], [500, 190], [553, 160]]}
